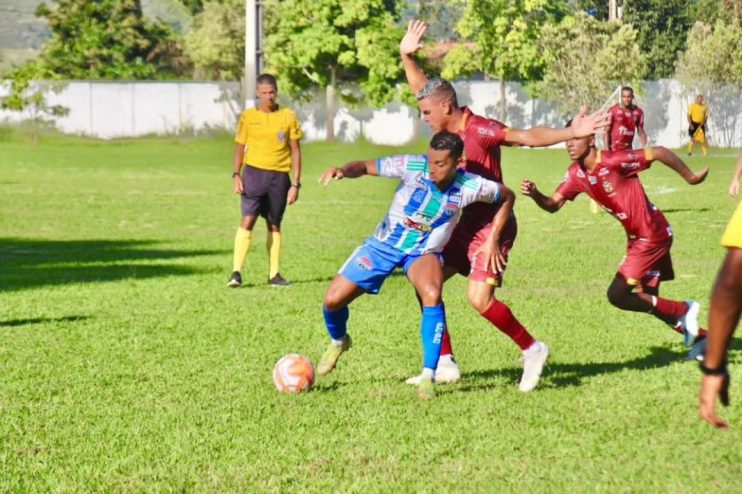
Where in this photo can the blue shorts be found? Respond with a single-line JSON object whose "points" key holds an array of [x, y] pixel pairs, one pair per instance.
{"points": [[372, 263]]}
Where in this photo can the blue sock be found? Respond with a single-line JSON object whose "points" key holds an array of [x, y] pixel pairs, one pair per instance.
{"points": [[431, 330], [336, 322]]}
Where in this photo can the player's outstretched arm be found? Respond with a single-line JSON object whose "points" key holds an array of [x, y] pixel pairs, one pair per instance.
{"points": [[583, 125], [734, 184], [407, 47], [352, 169], [551, 204], [672, 160]]}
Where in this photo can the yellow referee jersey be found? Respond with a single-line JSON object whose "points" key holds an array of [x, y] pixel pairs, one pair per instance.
{"points": [[733, 234], [267, 136], [697, 112]]}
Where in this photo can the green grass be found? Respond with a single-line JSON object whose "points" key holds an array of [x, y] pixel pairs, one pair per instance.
{"points": [[127, 365]]}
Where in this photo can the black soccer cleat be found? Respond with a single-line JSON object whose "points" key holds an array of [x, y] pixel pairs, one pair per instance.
{"points": [[279, 280], [235, 281]]}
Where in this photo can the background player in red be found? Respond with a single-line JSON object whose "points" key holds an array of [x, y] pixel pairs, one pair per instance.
{"points": [[611, 179], [463, 254], [624, 121]]}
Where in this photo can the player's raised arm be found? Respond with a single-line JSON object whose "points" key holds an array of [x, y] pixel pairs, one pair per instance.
{"points": [[672, 160], [551, 204], [407, 47], [352, 169], [583, 125]]}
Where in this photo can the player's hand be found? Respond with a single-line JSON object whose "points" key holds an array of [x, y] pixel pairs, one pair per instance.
{"points": [[584, 125], [713, 387], [493, 256], [528, 188], [238, 186], [699, 177], [734, 187], [411, 41], [293, 195], [331, 174]]}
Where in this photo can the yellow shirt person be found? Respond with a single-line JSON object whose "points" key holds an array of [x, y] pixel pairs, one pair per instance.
{"points": [[697, 116], [266, 151]]}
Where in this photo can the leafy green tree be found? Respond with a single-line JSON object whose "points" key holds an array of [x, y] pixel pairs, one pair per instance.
{"points": [[216, 43], [712, 66], [329, 44], [709, 11], [503, 36], [586, 59], [662, 26]]}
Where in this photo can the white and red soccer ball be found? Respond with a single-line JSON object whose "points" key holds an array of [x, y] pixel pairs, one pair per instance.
{"points": [[293, 373]]}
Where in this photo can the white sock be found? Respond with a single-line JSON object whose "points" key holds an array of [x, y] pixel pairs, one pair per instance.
{"points": [[534, 348], [339, 342], [428, 373], [445, 359]]}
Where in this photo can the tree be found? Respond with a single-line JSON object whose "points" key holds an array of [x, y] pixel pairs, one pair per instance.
{"points": [[332, 43], [106, 39], [712, 66], [662, 26], [504, 40], [216, 43], [586, 59]]}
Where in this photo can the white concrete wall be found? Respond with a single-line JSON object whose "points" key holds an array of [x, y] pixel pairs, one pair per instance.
{"points": [[129, 109]]}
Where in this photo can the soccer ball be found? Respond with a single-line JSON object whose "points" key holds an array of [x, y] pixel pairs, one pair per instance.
{"points": [[293, 373]]}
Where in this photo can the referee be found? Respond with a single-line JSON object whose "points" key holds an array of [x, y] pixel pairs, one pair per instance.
{"points": [[267, 151]]}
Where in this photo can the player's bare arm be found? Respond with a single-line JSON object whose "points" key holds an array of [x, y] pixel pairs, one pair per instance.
{"points": [[583, 125], [352, 169], [551, 204], [672, 160], [407, 47], [642, 136], [734, 184], [239, 154], [491, 248], [293, 194]]}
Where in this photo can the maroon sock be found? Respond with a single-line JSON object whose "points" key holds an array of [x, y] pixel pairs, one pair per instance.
{"points": [[669, 311], [446, 344], [500, 315]]}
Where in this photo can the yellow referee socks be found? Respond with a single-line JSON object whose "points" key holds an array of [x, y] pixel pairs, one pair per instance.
{"points": [[241, 245], [274, 253]]}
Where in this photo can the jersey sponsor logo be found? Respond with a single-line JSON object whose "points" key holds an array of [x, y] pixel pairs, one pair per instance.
{"points": [[364, 263], [631, 165], [414, 225], [603, 172], [608, 187], [421, 217], [483, 131], [624, 131], [455, 198]]}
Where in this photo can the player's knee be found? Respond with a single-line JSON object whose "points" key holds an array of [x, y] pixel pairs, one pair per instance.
{"points": [[430, 295], [333, 300], [616, 296], [479, 300]]}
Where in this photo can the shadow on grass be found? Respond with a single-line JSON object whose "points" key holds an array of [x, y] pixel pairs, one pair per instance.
{"points": [[557, 374], [40, 320], [264, 284], [686, 210], [32, 263]]}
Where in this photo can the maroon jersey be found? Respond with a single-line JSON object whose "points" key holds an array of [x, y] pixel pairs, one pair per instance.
{"points": [[622, 125], [614, 184], [482, 140]]}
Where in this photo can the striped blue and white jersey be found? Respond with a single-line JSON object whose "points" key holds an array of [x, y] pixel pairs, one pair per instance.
{"points": [[422, 218]]}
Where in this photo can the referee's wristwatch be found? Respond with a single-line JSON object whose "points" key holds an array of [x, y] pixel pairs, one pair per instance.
{"points": [[296, 185], [235, 174]]}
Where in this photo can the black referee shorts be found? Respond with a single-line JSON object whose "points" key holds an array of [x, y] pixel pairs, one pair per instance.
{"points": [[264, 193]]}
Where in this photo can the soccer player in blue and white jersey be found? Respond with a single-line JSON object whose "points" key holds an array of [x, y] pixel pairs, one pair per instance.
{"points": [[431, 194]]}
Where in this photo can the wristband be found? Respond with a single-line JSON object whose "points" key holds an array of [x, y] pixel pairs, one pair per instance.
{"points": [[296, 185], [719, 371], [235, 174]]}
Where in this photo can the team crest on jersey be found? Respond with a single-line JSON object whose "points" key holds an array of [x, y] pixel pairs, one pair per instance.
{"points": [[451, 209], [364, 263], [282, 135], [608, 187], [592, 180], [580, 174]]}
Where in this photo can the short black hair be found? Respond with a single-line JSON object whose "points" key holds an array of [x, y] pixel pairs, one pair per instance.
{"points": [[267, 79], [628, 88], [448, 141], [438, 88], [569, 123]]}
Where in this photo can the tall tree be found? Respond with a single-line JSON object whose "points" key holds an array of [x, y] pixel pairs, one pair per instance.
{"points": [[712, 66], [662, 26], [216, 43], [329, 43], [503, 36], [586, 59]]}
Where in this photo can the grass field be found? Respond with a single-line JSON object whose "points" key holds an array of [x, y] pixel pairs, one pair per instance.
{"points": [[127, 365]]}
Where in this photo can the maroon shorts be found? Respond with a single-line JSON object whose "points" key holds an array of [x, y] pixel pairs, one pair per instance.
{"points": [[265, 193], [647, 263], [459, 252]]}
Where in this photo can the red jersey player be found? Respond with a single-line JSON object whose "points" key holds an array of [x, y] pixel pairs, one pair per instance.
{"points": [[467, 252], [624, 121], [611, 179]]}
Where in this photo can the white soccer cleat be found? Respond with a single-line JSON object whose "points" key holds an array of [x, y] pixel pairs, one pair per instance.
{"points": [[447, 372], [689, 322], [533, 364]]}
